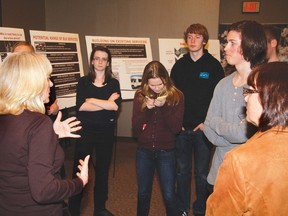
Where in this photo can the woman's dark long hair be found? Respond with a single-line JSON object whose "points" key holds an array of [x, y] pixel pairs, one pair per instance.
{"points": [[270, 80], [108, 70]]}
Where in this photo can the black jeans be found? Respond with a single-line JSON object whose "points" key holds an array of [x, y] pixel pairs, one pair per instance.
{"points": [[102, 141], [185, 142]]}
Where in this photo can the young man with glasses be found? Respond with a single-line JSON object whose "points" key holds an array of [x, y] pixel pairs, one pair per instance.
{"points": [[225, 125], [196, 75]]}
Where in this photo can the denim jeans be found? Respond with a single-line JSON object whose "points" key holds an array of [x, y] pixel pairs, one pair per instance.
{"points": [[165, 164], [185, 142]]}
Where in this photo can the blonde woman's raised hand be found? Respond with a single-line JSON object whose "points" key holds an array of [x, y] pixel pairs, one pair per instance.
{"points": [[67, 127], [83, 168]]}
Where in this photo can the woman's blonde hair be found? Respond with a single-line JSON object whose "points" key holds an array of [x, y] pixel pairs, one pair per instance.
{"points": [[23, 78]]}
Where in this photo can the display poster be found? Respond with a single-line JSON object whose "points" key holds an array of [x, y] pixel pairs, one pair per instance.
{"points": [[170, 50], [8, 37], [129, 57], [63, 51]]}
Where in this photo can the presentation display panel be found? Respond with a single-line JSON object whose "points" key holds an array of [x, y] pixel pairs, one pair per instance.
{"points": [[63, 51], [129, 57], [8, 37]]}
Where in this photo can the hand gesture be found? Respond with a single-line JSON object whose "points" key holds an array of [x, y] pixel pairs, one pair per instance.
{"points": [[83, 168], [67, 127]]}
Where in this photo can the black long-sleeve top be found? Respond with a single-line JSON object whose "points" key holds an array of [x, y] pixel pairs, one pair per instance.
{"points": [[102, 118]]}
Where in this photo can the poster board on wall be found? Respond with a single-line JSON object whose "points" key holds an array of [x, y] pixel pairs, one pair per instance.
{"points": [[63, 51], [9, 37], [171, 50], [129, 57]]}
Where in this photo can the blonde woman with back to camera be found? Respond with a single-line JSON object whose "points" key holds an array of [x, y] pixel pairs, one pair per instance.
{"points": [[31, 157]]}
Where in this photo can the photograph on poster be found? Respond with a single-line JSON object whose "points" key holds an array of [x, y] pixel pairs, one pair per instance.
{"points": [[135, 81], [171, 50], [283, 43]]}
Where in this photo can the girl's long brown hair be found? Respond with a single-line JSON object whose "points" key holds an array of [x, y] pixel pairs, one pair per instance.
{"points": [[155, 69]]}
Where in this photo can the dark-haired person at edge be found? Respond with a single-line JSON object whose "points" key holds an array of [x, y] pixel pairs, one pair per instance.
{"points": [[52, 107], [30, 156], [225, 125], [196, 75], [252, 179], [158, 109], [97, 101], [273, 37]]}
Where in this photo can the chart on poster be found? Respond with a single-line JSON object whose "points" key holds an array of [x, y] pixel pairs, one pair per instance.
{"points": [[63, 51]]}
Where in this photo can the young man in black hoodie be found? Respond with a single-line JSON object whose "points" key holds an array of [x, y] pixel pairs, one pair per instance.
{"points": [[196, 75]]}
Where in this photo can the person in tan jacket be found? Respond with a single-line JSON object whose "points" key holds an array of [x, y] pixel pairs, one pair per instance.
{"points": [[253, 179]]}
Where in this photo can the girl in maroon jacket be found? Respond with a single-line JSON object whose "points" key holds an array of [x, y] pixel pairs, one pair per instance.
{"points": [[157, 119]]}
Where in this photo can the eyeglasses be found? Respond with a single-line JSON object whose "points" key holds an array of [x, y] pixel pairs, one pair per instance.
{"points": [[247, 91]]}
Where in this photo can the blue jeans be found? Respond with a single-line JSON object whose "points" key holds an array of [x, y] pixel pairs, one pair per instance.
{"points": [[165, 164], [185, 142]]}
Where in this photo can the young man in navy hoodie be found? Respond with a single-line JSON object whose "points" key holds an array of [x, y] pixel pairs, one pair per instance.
{"points": [[196, 75]]}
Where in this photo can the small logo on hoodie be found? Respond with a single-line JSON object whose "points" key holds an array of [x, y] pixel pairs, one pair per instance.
{"points": [[204, 75]]}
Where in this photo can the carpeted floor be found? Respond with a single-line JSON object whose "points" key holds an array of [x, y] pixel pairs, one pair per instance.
{"points": [[122, 183]]}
